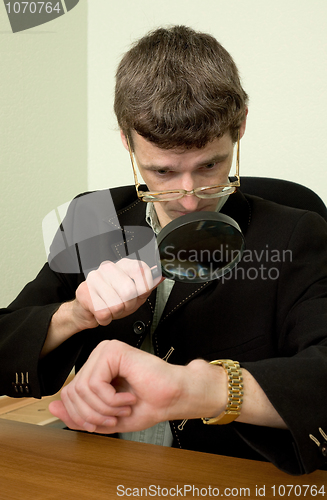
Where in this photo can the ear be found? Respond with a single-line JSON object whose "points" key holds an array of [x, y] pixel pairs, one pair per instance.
{"points": [[123, 139], [243, 124]]}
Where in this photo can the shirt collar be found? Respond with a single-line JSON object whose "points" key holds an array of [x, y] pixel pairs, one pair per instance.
{"points": [[152, 218]]}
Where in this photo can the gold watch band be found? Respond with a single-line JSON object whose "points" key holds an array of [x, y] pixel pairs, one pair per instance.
{"points": [[235, 393]]}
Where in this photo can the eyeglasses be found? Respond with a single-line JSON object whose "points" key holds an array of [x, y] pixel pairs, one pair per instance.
{"points": [[206, 192]]}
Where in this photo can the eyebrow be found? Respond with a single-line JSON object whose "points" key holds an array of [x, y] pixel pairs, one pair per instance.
{"points": [[215, 159]]}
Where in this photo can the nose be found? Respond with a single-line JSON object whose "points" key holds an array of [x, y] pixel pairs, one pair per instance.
{"points": [[190, 202], [187, 182]]}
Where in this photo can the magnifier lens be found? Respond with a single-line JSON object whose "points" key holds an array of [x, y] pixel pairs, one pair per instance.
{"points": [[199, 247]]}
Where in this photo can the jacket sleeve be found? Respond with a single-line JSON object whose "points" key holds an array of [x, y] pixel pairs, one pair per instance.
{"points": [[78, 244], [295, 381], [23, 329], [88, 234]]}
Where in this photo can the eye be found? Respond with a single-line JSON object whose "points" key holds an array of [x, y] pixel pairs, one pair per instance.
{"points": [[162, 172], [209, 166]]}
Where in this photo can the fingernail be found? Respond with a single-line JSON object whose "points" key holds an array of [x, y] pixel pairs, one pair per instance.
{"points": [[89, 427]]}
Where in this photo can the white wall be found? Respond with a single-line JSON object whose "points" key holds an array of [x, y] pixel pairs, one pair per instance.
{"points": [[280, 48]]}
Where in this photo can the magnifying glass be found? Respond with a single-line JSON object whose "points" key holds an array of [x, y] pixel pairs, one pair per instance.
{"points": [[201, 246], [194, 248]]}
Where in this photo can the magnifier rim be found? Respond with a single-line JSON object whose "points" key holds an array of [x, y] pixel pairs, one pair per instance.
{"points": [[183, 220], [200, 217]]}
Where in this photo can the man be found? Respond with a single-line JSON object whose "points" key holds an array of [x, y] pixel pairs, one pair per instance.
{"points": [[181, 109]]}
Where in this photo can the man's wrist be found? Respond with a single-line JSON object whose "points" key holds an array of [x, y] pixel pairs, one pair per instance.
{"points": [[210, 384], [63, 325], [65, 320]]}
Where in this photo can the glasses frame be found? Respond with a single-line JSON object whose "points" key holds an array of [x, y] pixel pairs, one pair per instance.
{"points": [[142, 194]]}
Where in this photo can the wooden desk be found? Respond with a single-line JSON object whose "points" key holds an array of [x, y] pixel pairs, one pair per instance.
{"points": [[42, 463], [30, 410]]}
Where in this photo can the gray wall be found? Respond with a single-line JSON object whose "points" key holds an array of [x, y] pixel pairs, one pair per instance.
{"points": [[58, 133], [43, 136]]}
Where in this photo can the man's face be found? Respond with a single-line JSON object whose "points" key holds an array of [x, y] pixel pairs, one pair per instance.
{"points": [[187, 169]]}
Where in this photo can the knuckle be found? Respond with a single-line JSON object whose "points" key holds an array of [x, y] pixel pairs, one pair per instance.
{"points": [[105, 263], [93, 384], [106, 268], [117, 312], [103, 315], [129, 290], [80, 389], [91, 277]]}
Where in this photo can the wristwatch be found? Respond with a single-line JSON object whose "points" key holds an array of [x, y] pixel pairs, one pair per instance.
{"points": [[235, 393]]}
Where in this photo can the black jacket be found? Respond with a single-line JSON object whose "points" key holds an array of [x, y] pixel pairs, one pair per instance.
{"points": [[270, 314]]}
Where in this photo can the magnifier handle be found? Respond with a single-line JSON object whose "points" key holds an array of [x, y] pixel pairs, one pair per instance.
{"points": [[156, 272]]}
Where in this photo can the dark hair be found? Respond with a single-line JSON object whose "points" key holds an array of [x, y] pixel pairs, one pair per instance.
{"points": [[179, 88]]}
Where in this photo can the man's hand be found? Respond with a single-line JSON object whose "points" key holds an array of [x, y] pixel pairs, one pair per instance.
{"points": [[114, 291], [111, 292], [123, 389]]}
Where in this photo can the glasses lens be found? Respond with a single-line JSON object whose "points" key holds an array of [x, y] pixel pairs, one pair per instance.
{"points": [[215, 192], [168, 196]]}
